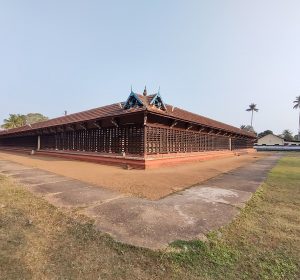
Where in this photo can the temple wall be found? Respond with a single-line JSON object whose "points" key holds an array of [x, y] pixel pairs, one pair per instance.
{"points": [[162, 140], [113, 140], [130, 140], [29, 142]]}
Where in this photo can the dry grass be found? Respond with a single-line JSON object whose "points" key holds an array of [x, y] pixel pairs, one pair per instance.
{"points": [[39, 241]]}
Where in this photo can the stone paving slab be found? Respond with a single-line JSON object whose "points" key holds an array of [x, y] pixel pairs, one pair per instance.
{"points": [[83, 197], [186, 215], [8, 166], [32, 175], [240, 179], [30, 172], [67, 185], [154, 224], [42, 179], [211, 193]]}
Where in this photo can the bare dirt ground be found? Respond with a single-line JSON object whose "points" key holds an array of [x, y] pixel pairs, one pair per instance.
{"points": [[151, 184]]}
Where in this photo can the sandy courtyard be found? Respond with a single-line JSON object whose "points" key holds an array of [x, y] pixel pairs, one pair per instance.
{"points": [[151, 184]]}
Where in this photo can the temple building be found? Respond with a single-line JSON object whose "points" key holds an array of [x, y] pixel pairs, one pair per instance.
{"points": [[141, 132]]}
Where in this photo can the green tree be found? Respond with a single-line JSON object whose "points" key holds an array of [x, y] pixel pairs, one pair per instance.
{"points": [[248, 128], [242, 126], [14, 120], [264, 133], [35, 117], [252, 108], [17, 120], [287, 135], [297, 106]]}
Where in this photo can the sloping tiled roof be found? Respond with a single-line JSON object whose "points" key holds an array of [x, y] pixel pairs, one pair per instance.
{"points": [[178, 113], [117, 109]]}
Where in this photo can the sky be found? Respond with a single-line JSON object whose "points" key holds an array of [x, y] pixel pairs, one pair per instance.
{"points": [[212, 58]]}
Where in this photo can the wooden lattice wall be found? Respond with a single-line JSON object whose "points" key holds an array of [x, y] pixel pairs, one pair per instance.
{"points": [[242, 143], [168, 140], [116, 140], [134, 139], [29, 142]]}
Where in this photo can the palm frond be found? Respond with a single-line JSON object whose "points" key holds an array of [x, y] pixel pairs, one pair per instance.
{"points": [[252, 107], [297, 102]]}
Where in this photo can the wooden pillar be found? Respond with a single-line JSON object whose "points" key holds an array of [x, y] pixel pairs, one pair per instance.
{"points": [[230, 144], [145, 135], [38, 143]]}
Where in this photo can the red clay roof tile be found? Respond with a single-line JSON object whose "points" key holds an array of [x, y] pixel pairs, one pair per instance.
{"points": [[115, 110]]}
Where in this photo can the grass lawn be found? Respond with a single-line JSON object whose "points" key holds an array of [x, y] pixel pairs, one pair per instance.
{"points": [[39, 241]]}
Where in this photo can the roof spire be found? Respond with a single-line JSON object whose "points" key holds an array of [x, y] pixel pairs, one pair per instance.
{"points": [[145, 91]]}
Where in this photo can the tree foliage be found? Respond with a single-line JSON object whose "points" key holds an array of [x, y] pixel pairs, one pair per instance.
{"points": [[297, 106], [17, 120], [248, 128], [252, 107], [14, 120], [297, 102], [264, 133], [287, 135], [35, 117]]}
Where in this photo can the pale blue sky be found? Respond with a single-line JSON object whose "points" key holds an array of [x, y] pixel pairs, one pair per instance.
{"points": [[212, 57]]}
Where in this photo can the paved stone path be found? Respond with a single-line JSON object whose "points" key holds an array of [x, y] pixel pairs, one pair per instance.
{"points": [[186, 215]]}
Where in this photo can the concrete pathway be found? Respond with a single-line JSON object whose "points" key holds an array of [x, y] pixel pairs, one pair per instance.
{"points": [[186, 215]]}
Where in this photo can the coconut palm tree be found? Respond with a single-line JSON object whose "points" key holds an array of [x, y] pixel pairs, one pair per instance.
{"points": [[252, 108], [297, 106], [14, 120]]}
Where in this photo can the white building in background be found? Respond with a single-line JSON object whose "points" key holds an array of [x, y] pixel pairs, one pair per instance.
{"points": [[270, 140], [274, 142]]}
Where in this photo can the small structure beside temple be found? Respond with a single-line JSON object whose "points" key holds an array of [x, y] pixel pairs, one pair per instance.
{"points": [[141, 132], [271, 142]]}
